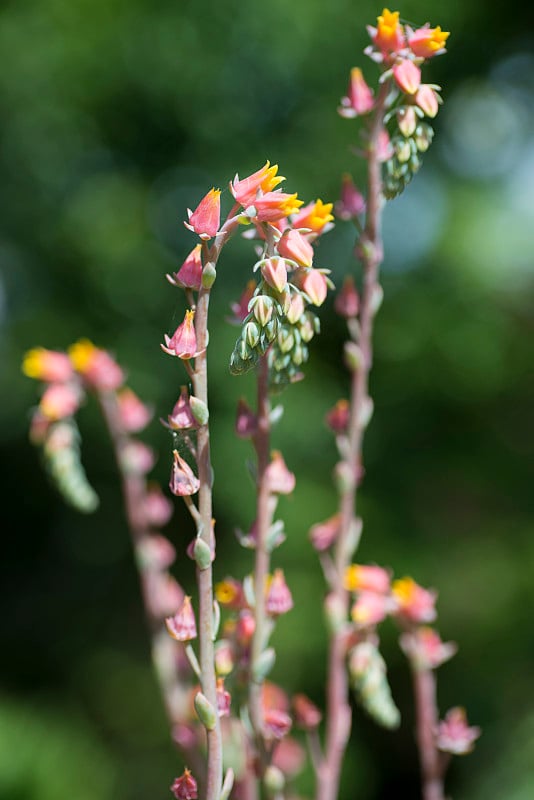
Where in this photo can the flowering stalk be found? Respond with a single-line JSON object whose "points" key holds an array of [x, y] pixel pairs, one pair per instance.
{"points": [[427, 718]]}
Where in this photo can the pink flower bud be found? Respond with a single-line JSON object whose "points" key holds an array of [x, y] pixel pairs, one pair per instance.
{"points": [[60, 400], [189, 276], [183, 342], [279, 479], [134, 414], [407, 76], [137, 458], [182, 626], [183, 482], [296, 308], [351, 203], [307, 715], [427, 100], [359, 98], [206, 218], [155, 552], [246, 423], [425, 649], [347, 302], [338, 417], [294, 246], [182, 417], [413, 602], [324, 534], [185, 787], [279, 599], [274, 272], [314, 284], [157, 508], [367, 578], [454, 734]]}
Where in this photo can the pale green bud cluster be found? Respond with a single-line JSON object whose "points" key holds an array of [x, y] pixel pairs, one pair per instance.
{"points": [[62, 458], [408, 148], [367, 670]]}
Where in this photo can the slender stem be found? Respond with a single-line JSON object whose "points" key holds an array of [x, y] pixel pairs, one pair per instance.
{"points": [[338, 712], [264, 513], [426, 725]]}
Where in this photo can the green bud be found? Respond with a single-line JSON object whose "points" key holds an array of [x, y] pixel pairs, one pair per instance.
{"points": [[271, 329], [403, 151], [209, 274], [202, 553], [263, 665], [366, 412], [251, 334], [199, 410], [205, 711], [286, 340], [353, 356], [273, 780], [262, 308]]}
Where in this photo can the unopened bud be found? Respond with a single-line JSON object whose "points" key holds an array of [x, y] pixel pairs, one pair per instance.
{"points": [[376, 298], [335, 613], [403, 151], [205, 711], [262, 306], [344, 477], [286, 340], [251, 334], [274, 780], [366, 412], [209, 273], [353, 356], [199, 410], [202, 553], [406, 120]]}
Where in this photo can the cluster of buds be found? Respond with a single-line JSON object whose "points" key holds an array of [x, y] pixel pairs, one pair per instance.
{"points": [[401, 52], [367, 671], [274, 312]]}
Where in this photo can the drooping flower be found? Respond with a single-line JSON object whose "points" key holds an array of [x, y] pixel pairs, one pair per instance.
{"points": [[183, 481], [307, 715], [388, 35], [425, 649], [367, 578], [338, 417], [185, 787], [407, 76], [279, 600], [96, 366], [277, 476], [294, 246], [264, 180], [347, 302], [183, 342], [189, 276], [315, 216], [182, 625], [324, 534], [182, 416], [274, 273], [314, 284], [47, 365], [454, 734], [60, 400], [137, 458], [273, 206], [276, 723], [427, 100], [359, 98], [296, 308], [134, 414], [155, 552], [164, 594], [157, 508], [413, 602], [427, 42], [206, 217], [246, 423], [370, 608]]}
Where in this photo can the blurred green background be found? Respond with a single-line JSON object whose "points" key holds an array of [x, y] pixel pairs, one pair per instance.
{"points": [[114, 117]]}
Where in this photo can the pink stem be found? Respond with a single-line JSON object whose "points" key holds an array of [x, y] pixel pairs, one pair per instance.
{"points": [[338, 711], [427, 722]]}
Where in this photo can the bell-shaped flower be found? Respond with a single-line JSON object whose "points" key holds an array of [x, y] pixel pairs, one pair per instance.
{"points": [[347, 302], [137, 458], [189, 276], [351, 202], [273, 206], [279, 479], [370, 608], [454, 735], [314, 284], [307, 715], [324, 534], [359, 98], [182, 625], [98, 369], [388, 35], [183, 342], [413, 602], [265, 180], [315, 217], [407, 120], [47, 365], [407, 76], [183, 481], [295, 246], [424, 648], [185, 787], [279, 600], [367, 578], [157, 507], [276, 723], [182, 418], [427, 42], [338, 417], [427, 100], [155, 552], [206, 218]]}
